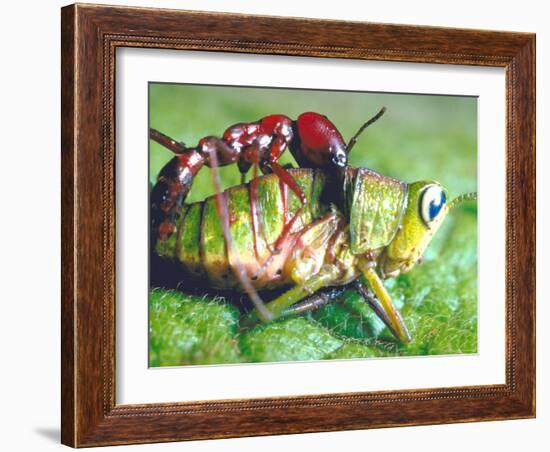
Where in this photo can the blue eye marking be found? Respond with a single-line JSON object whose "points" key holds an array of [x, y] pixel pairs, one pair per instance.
{"points": [[436, 205], [431, 203]]}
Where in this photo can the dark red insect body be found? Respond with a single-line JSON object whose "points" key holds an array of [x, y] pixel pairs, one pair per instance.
{"points": [[312, 138], [318, 143]]}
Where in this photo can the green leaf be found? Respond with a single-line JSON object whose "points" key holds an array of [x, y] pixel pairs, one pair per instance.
{"points": [[290, 339], [354, 350], [191, 330]]}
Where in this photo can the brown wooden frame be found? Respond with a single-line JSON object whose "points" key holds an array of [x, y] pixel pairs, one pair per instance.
{"points": [[90, 36]]}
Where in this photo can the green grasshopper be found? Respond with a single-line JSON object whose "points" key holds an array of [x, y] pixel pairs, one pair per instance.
{"points": [[380, 228]]}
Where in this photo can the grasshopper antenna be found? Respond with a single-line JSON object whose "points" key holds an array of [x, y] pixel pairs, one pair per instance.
{"points": [[238, 268], [460, 199], [372, 120]]}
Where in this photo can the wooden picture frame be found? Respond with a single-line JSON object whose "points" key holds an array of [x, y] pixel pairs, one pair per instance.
{"points": [[90, 36]]}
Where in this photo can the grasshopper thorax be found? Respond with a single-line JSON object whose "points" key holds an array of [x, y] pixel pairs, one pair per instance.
{"points": [[390, 222]]}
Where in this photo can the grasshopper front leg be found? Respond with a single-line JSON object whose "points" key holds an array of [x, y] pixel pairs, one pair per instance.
{"points": [[384, 306]]}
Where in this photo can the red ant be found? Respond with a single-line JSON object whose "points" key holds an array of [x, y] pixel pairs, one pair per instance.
{"points": [[312, 138]]}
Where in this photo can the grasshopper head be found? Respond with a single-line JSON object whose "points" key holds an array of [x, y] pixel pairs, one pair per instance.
{"points": [[426, 209]]}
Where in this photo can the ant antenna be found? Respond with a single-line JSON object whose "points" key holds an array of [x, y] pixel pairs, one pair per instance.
{"points": [[372, 120]]}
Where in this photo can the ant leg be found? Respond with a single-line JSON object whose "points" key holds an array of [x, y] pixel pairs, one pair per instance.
{"points": [[169, 143], [277, 148], [244, 167], [237, 267], [257, 222], [286, 178]]}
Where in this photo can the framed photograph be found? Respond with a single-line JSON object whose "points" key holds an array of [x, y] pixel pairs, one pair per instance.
{"points": [[282, 225]]}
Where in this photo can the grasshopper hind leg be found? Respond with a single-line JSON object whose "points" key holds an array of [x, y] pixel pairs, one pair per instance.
{"points": [[316, 301], [279, 306]]}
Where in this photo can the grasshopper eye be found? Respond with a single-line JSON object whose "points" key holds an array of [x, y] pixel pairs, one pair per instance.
{"points": [[431, 203]]}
